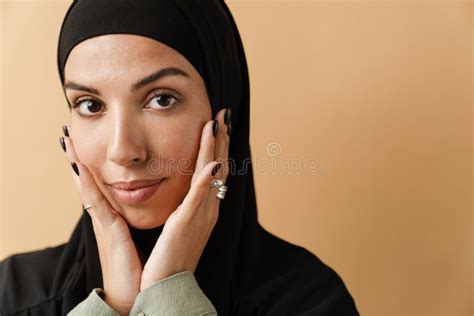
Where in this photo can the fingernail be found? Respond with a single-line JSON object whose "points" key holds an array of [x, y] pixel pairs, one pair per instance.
{"points": [[63, 144], [227, 116], [215, 127], [74, 167], [216, 168], [65, 131]]}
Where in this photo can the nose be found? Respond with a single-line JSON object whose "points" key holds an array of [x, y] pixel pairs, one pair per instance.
{"points": [[125, 146]]}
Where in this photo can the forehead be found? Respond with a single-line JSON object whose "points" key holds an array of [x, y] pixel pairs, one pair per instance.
{"points": [[121, 56]]}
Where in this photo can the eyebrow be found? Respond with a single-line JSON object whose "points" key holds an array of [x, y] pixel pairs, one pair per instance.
{"points": [[157, 75]]}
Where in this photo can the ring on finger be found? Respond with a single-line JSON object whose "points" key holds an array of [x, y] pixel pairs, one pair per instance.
{"points": [[221, 192], [216, 183], [221, 188]]}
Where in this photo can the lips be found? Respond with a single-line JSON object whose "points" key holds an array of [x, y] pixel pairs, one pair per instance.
{"points": [[135, 192], [133, 185]]}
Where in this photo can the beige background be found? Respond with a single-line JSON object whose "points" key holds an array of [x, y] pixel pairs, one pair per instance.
{"points": [[377, 93]]}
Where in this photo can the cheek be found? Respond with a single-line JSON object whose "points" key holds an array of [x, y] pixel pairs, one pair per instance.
{"points": [[179, 144], [88, 147]]}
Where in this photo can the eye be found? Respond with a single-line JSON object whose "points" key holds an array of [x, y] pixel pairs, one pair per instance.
{"points": [[87, 105], [163, 100]]}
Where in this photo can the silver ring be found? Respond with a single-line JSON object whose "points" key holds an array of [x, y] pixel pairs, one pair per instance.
{"points": [[220, 195], [221, 192], [221, 188], [216, 183], [86, 207]]}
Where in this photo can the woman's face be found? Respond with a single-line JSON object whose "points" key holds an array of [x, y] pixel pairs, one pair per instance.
{"points": [[127, 126]]}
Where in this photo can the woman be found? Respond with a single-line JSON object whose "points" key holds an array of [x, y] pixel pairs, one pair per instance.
{"points": [[159, 91]]}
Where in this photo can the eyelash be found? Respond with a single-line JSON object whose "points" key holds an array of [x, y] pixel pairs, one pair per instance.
{"points": [[154, 95]]}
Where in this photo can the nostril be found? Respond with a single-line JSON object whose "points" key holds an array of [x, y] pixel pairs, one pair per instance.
{"points": [[136, 161]]}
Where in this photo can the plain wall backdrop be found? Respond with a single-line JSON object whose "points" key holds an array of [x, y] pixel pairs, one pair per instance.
{"points": [[374, 96]]}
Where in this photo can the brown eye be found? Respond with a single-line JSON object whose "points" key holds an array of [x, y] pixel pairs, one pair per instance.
{"points": [[87, 107], [163, 100]]}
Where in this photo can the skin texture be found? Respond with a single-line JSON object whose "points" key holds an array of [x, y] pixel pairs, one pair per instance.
{"points": [[129, 135]]}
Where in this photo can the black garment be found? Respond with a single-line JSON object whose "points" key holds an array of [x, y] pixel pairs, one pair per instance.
{"points": [[244, 269]]}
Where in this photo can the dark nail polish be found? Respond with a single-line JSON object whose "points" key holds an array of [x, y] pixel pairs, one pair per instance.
{"points": [[74, 167], [227, 116], [229, 129], [65, 131], [215, 127], [216, 169], [63, 144]]}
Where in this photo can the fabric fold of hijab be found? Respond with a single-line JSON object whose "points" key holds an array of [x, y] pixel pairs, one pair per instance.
{"points": [[244, 269]]}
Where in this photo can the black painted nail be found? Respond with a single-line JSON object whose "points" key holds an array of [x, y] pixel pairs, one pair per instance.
{"points": [[227, 116], [63, 144], [65, 131], [229, 129], [74, 167], [215, 127], [216, 168]]}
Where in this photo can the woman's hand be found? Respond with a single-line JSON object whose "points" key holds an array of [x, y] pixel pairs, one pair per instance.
{"points": [[189, 227], [121, 266]]}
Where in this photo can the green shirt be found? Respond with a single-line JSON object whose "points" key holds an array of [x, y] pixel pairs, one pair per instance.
{"points": [[178, 294]]}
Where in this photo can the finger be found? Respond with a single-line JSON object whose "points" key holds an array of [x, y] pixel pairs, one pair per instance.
{"points": [[221, 151], [88, 190], [199, 191], [91, 194], [69, 148], [206, 149], [221, 148]]}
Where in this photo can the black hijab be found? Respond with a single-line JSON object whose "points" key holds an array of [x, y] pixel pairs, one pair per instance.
{"points": [[244, 269]]}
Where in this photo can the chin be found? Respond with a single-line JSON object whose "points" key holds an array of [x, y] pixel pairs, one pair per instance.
{"points": [[145, 217]]}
